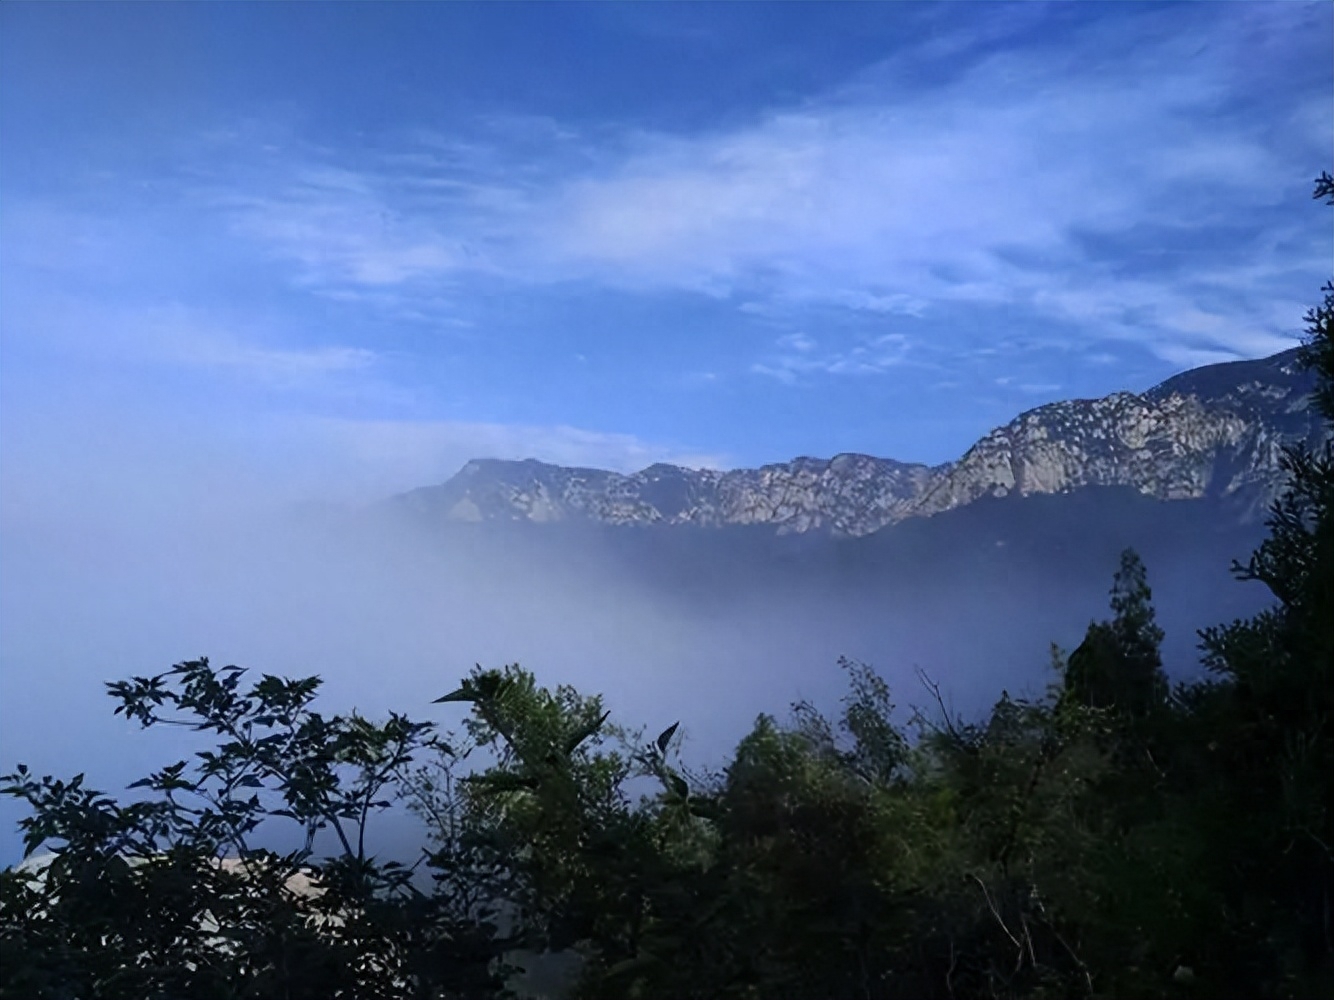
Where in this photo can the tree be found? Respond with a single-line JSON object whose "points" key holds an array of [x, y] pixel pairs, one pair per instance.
{"points": [[1119, 664], [169, 896], [1269, 716]]}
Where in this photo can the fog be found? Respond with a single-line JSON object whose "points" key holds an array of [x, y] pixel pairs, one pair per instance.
{"points": [[115, 566]]}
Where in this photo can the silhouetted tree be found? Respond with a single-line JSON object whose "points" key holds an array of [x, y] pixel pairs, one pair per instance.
{"points": [[1269, 717], [1119, 664], [170, 896]]}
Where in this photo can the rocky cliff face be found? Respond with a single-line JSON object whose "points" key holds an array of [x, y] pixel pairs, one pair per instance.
{"points": [[1212, 432], [843, 495], [1215, 432]]}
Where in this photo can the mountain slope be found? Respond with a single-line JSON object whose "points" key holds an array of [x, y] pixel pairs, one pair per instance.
{"points": [[1214, 432]]}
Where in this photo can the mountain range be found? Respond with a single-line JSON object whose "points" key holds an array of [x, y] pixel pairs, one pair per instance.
{"points": [[1215, 433]]}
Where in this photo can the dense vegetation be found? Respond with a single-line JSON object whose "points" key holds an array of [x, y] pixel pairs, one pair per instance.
{"points": [[1117, 838]]}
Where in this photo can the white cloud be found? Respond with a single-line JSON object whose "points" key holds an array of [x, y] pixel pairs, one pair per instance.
{"points": [[799, 342], [879, 199], [1173, 322], [373, 458], [899, 303], [889, 197], [83, 459], [188, 342], [1184, 356], [122, 337], [797, 356], [342, 233]]}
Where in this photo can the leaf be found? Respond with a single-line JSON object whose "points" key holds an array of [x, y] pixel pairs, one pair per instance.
{"points": [[666, 736], [465, 693], [435, 743], [573, 742], [630, 966], [679, 786]]}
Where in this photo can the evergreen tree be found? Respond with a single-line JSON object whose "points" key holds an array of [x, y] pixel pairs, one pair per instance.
{"points": [[1119, 664]]}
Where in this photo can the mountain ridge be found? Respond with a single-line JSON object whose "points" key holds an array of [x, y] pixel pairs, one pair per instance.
{"points": [[1212, 432]]}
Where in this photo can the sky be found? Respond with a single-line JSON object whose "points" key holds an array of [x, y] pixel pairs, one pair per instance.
{"points": [[335, 250], [258, 255]]}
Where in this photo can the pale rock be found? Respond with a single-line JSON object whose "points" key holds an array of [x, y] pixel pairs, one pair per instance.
{"points": [[1217, 431]]}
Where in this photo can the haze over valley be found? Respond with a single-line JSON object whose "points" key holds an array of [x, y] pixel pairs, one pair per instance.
{"points": [[706, 621]]}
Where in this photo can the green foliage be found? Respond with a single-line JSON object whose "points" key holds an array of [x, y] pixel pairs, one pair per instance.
{"points": [[1319, 347], [168, 897]]}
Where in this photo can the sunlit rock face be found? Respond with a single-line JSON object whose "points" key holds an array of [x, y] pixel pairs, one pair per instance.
{"points": [[849, 494], [1217, 431]]}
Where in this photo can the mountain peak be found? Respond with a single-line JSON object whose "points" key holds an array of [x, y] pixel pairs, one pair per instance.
{"points": [[1214, 431]]}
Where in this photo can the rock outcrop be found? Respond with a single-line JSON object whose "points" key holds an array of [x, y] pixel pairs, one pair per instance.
{"points": [[1214, 432]]}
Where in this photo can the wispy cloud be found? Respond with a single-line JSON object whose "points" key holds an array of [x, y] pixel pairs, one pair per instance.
{"points": [[375, 457], [342, 232], [977, 192], [888, 197], [105, 336], [798, 355], [75, 461], [271, 364]]}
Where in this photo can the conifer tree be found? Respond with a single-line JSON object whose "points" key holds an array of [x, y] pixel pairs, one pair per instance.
{"points": [[1119, 664]]}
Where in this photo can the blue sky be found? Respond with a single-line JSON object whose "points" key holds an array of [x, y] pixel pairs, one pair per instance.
{"points": [[337, 250]]}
